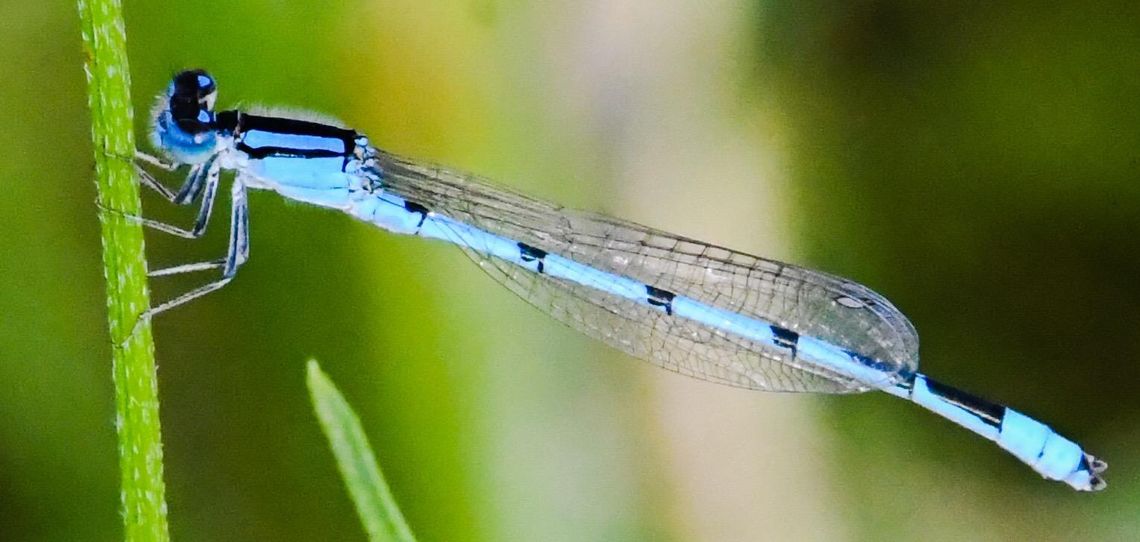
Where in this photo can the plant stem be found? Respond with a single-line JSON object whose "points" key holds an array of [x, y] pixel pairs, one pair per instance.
{"points": [[124, 266]]}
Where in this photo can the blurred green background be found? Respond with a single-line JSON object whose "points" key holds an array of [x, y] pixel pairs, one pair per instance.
{"points": [[977, 164]]}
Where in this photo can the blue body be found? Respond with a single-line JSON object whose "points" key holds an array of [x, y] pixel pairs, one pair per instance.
{"points": [[659, 297]]}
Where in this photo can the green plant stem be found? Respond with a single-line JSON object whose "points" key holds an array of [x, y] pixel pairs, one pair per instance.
{"points": [[377, 509], [124, 266]]}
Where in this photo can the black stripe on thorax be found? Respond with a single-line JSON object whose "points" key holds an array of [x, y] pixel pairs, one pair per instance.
{"points": [[337, 142]]}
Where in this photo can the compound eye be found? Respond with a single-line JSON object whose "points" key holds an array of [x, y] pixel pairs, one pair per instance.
{"points": [[194, 86], [192, 94]]}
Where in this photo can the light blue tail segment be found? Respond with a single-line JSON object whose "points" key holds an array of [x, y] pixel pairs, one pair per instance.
{"points": [[1051, 455]]}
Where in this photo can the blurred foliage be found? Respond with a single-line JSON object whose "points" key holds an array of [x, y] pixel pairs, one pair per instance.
{"points": [[975, 163], [378, 511]]}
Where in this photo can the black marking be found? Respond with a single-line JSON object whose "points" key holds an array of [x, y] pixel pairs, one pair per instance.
{"points": [[342, 140], [227, 121], [874, 363], [413, 207], [786, 338], [904, 373], [660, 298], [991, 413], [530, 254], [190, 101]]}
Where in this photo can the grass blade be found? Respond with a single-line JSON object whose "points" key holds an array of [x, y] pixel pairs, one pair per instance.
{"points": [[357, 464]]}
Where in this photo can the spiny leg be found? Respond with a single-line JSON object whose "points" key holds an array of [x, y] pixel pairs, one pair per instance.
{"points": [[238, 251], [211, 174], [190, 187], [155, 161], [188, 191], [147, 179], [188, 268], [236, 254]]}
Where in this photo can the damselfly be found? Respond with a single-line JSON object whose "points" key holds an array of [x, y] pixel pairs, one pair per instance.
{"points": [[691, 307]]}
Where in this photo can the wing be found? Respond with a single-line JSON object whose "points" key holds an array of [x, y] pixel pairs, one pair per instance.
{"points": [[829, 308]]}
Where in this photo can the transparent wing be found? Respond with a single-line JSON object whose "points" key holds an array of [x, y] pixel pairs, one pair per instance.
{"points": [[811, 303]]}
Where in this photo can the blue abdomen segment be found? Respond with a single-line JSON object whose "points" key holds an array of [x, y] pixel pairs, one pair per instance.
{"points": [[1036, 444], [1053, 456]]}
